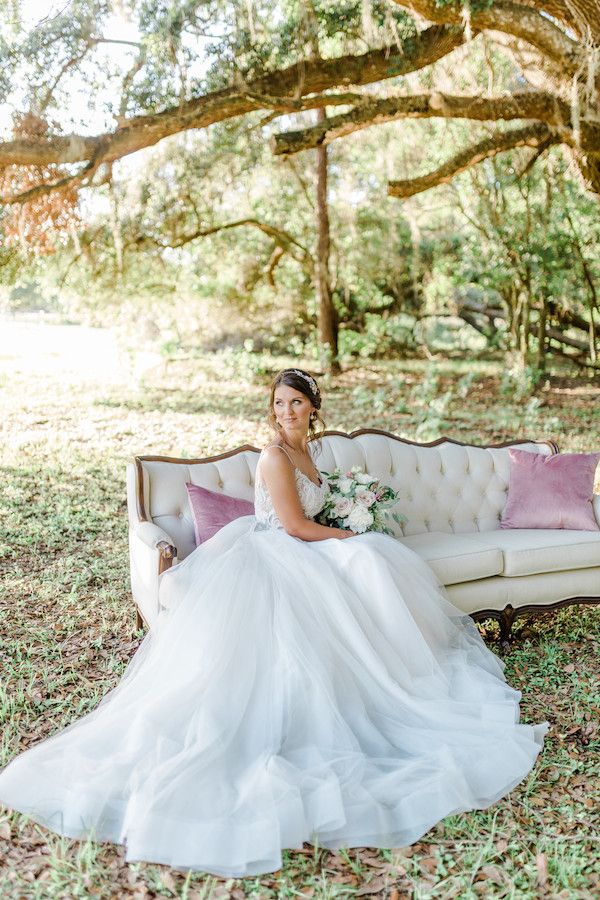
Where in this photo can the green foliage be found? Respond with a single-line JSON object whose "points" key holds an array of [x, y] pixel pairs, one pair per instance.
{"points": [[520, 381], [378, 336], [526, 240], [35, 57], [184, 48], [398, 270]]}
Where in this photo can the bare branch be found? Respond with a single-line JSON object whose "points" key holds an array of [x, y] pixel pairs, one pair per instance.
{"points": [[91, 42], [530, 136], [302, 182], [524, 105], [103, 40], [286, 105], [65, 68], [79, 179], [274, 260], [282, 238], [128, 79], [541, 149]]}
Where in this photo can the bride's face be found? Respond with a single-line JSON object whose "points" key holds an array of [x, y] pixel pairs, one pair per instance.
{"points": [[292, 410]]}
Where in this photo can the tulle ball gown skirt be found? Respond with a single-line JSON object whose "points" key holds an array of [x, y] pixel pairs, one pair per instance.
{"points": [[290, 691]]}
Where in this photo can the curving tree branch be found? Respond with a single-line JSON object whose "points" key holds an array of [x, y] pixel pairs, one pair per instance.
{"points": [[582, 17], [279, 236], [560, 39], [79, 179], [536, 136], [519, 20], [521, 105], [297, 81]]}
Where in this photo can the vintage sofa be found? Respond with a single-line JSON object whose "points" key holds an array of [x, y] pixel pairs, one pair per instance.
{"points": [[452, 493]]}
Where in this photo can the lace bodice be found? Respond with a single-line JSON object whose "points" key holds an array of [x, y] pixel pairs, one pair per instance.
{"points": [[312, 496]]}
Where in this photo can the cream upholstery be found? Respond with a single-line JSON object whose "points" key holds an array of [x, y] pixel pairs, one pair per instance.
{"points": [[456, 557], [509, 552], [452, 494], [529, 551]]}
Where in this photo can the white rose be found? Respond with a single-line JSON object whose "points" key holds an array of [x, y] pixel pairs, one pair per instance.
{"points": [[344, 485], [364, 497], [359, 519], [343, 507], [364, 478]]}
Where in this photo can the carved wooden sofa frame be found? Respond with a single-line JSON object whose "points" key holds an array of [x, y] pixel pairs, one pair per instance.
{"points": [[506, 617]]}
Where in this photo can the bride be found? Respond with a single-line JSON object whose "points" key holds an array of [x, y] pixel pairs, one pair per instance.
{"points": [[302, 683]]}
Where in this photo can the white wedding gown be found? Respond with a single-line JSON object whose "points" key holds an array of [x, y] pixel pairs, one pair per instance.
{"points": [[290, 691]]}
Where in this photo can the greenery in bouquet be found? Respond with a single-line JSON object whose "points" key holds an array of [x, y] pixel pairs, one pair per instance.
{"points": [[358, 501]]}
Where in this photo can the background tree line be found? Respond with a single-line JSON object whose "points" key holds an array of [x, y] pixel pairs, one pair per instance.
{"points": [[288, 192]]}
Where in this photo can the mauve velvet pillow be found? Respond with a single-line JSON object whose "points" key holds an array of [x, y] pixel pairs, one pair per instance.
{"points": [[551, 491], [211, 510]]}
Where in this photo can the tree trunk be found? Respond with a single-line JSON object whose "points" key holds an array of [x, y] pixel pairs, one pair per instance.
{"points": [[327, 314], [515, 325], [526, 319], [541, 348]]}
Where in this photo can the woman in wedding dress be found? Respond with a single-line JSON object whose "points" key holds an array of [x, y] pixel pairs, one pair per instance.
{"points": [[302, 683]]}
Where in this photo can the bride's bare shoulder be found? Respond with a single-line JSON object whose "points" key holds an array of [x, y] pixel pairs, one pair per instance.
{"points": [[274, 459]]}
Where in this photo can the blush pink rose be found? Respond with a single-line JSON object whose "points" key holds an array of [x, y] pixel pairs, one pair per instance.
{"points": [[365, 497]]}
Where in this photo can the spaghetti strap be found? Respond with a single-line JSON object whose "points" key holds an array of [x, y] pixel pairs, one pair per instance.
{"points": [[258, 475], [284, 450]]}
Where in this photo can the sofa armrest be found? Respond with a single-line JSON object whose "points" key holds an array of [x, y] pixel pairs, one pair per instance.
{"points": [[151, 552], [157, 539]]}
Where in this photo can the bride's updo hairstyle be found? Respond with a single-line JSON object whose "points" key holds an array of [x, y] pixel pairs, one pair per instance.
{"points": [[304, 382]]}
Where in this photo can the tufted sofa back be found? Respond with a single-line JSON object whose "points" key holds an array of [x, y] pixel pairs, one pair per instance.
{"points": [[444, 486]]}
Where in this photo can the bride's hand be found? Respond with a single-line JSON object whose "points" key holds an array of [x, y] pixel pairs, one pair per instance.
{"points": [[345, 533]]}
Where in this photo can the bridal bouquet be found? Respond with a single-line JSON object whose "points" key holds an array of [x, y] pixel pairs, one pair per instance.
{"points": [[358, 501]]}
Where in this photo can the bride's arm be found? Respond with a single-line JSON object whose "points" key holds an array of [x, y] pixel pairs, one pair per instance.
{"points": [[279, 478]]}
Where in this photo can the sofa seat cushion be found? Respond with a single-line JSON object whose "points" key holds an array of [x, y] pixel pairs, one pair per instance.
{"points": [[456, 557], [530, 551]]}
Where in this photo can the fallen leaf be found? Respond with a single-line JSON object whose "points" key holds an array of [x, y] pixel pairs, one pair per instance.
{"points": [[44, 875], [373, 887], [492, 873], [220, 891], [430, 864]]}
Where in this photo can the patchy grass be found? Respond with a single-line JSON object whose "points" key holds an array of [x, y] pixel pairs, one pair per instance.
{"points": [[67, 619]]}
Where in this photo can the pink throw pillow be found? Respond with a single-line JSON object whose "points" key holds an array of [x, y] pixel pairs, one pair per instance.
{"points": [[211, 510], [551, 491]]}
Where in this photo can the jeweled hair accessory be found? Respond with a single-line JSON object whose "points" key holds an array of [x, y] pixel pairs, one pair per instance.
{"points": [[309, 378]]}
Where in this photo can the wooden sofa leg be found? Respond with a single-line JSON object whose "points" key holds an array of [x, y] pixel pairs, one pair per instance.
{"points": [[506, 619], [139, 622]]}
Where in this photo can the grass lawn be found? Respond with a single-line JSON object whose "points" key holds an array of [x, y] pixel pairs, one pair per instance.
{"points": [[67, 618]]}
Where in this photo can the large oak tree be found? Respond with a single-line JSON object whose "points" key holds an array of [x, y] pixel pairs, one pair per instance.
{"points": [[201, 62], [556, 43]]}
